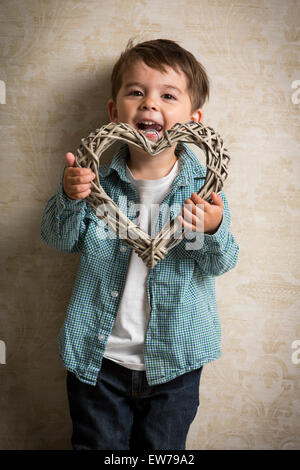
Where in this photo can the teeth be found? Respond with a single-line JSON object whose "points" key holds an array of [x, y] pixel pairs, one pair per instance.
{"points": [[148, 122]]}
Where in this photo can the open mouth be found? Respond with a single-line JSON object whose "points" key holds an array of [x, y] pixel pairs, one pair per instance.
{"points": [[147, 125]]}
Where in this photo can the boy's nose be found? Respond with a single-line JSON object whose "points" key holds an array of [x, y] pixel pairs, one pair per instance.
{"points": [[149, 103]]}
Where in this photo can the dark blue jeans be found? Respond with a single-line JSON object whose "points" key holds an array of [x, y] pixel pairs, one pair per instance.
{"points": [[123, 412]]}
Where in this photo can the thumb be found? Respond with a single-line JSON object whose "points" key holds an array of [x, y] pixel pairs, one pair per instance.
{"points": [[70, 159], [217, 200]]}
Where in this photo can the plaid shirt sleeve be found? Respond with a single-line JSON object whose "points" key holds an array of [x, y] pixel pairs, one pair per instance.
{"points": [[219, 251], [63, 222]]}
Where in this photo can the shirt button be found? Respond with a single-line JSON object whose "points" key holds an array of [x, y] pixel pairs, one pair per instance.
{"points": [[114, 293], [101, 337], [130, 203], [123, 249]]}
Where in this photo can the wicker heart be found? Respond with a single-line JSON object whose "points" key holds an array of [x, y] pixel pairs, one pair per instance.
{"points": [[151, 250]]}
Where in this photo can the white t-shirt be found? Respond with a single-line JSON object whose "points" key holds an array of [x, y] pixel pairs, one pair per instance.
{"points": [[125, 345]]}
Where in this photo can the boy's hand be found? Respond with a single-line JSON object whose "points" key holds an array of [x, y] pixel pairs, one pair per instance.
{"points": [[77, 181], [206, 218]]}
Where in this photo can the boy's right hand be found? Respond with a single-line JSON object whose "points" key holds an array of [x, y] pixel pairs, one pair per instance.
{"points": [[76, 181]]}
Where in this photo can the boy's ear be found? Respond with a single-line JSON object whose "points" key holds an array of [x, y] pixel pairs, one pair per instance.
{"points": [[112, 110], [197, 115]]}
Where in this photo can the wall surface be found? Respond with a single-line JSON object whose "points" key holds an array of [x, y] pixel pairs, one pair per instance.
{"points": [[56, 59]]}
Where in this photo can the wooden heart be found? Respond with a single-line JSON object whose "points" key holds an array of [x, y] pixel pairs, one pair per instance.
{"points": [[151, 250]]}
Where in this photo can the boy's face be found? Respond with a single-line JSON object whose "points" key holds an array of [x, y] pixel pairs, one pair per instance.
{"points": [[147, 94]]}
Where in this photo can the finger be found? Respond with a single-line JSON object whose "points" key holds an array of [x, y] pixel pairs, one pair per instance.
{"points": [[82, 179], [196, 209], [70, 159], [196, 221], [79, 188], [186, 224], [217, 200], [76, 171], [196, 199], [81, 195]]}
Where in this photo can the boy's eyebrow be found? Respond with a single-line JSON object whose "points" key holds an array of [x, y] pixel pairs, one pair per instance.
{"points": [[128, 85]]}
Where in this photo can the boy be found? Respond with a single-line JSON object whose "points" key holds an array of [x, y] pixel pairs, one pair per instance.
{"points": [[135, 340]]}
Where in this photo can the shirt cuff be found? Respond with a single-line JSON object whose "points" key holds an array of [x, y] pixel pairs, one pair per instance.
{"points": [[216, 242], [204, 243], [64, 202]]}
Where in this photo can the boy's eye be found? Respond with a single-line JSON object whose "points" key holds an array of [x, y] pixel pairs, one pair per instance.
{"points": [[169, 96], [133, 92]]}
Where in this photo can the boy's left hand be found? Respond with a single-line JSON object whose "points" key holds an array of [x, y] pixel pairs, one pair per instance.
{"points": [[206, 218]]}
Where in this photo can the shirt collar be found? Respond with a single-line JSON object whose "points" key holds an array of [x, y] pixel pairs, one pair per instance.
{"points": [[190, 164]]}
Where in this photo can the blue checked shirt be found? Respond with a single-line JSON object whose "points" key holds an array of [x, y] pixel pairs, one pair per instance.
{"points": [[184, 330]]}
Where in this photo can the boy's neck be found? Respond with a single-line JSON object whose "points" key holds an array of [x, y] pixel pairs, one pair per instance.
{"points": [[147, 167]]}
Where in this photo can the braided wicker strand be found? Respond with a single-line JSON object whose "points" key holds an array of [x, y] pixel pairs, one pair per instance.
{"points": [[150, 250]]}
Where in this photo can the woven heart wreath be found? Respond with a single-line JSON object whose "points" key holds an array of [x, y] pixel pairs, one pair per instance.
{"points": [[151, 250]]}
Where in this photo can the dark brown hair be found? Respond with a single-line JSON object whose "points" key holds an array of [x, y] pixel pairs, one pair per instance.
{"points": [[157, 53]]}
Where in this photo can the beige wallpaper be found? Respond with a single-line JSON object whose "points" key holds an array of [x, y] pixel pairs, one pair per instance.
{"points": [[56, 58]]}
